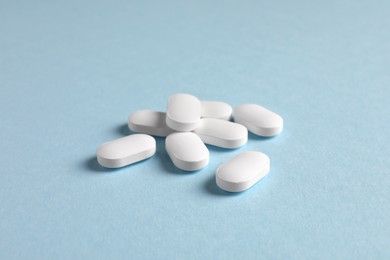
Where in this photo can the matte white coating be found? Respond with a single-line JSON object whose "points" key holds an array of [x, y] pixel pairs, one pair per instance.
{"points": [[187, 151], [216, 109], [258, 119], [183, 112], [126, 150], [222, 133], [242, 171], [149, 122]]}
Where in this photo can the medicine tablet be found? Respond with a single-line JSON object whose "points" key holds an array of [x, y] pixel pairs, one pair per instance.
{"points": [[183, 112], [149, 122], [242, 171], [216, 109], [258, 119], [187, 151], [126, 150], [222, 133]]}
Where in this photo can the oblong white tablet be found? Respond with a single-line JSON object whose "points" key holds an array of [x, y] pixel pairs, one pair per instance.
{"points": [[183, 112], [187, 151], [216, 109], [126, 150], [222, 133], [258, 119], [149, 122], [242, 171]]}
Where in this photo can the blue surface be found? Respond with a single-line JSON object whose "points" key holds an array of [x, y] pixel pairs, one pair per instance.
{"points": [[72, 71]]}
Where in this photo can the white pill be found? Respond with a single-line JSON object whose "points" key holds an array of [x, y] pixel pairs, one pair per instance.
{"points": [[222, 133], [149, 122], [187, 151], [242, 171], [258, 119], [216, 109], [126, 150], [183, 112]]}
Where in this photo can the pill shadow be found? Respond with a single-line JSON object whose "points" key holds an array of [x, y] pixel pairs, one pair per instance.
{"points": [[124, 130], [252, 136], [222, 150], [211, 187], [92, 164]]}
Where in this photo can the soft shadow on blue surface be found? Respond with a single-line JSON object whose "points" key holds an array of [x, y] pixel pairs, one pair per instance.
{"points": [[224, 150], [252, 136], [92, 165], [211, 187], [124, 130]]}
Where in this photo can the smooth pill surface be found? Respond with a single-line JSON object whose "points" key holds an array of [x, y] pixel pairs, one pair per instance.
{"points": [[126, 150], [187, 151], [149, 122], [242, 171], [216, 109], [183, 112], [258, 120], [222, 133]]}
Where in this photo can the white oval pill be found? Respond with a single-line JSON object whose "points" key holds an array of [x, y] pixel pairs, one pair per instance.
{"points": [[242, 171], [183, 112], [149, 122], [258, 119], [222, 133], [187, 151], [216, 109], [126, 150]]}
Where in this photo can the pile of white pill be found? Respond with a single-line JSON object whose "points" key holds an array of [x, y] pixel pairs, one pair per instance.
{"points": [[188, 125]]}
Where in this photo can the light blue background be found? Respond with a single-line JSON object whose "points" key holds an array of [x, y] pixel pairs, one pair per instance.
{"points": [[72, 71]]}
